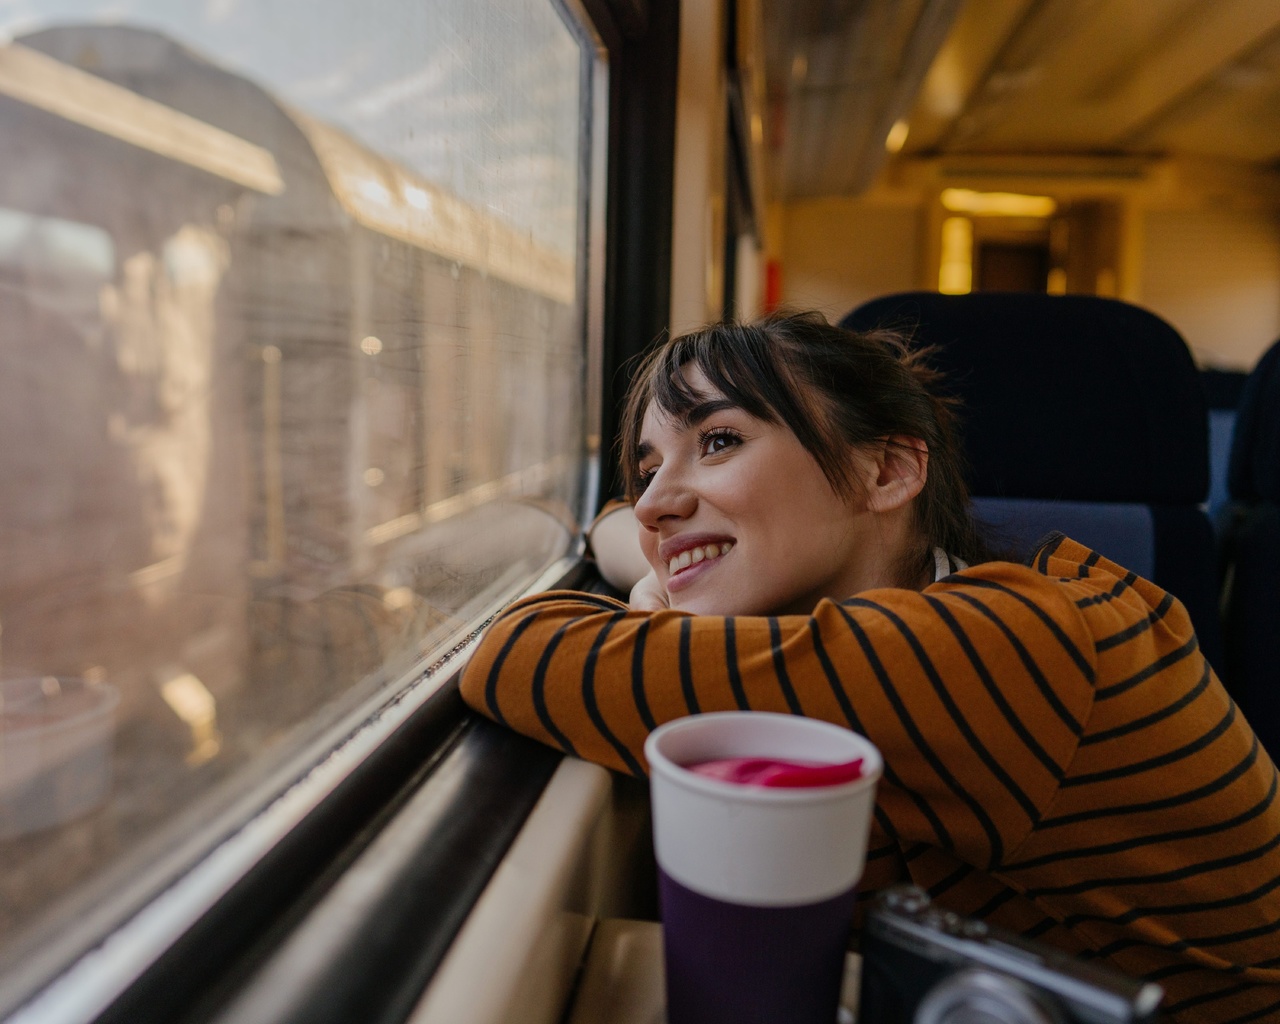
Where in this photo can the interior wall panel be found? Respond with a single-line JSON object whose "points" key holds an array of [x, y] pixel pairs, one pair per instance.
{"points": [[838, 253], [1215, 275]]}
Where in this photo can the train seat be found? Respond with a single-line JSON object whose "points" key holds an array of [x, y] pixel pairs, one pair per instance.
{"points": [[1252, 545], [1222, 390], [1080, 414]]}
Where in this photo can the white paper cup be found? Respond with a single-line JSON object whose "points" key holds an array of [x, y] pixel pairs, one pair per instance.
{"points": [[756, 884]]}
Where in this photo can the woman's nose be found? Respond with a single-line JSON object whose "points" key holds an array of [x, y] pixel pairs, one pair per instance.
{"points": [[668, 495]]}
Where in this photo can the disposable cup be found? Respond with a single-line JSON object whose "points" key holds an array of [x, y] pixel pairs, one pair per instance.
{"points": [[756, 884]]}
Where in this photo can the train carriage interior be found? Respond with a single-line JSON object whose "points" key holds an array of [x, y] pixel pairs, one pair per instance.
{"points": [[315, 323]]}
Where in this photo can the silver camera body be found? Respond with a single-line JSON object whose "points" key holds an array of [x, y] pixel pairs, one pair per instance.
{"points": [[925, 965]]}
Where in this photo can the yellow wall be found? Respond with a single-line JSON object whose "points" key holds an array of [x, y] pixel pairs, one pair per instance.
{"points": [[1199, 244], [837, 253], [1214, 275]]}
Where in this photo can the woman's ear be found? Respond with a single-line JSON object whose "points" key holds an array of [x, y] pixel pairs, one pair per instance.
{"points": [[901, 469]]}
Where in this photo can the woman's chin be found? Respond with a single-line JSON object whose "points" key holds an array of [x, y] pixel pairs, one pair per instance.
{"points": [[712, 604], [719, 588], [708, 601]]}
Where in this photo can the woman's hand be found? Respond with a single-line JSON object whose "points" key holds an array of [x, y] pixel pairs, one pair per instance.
{"points": [[649, 595]]}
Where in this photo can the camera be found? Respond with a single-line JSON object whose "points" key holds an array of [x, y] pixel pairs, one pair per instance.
{"points": [[925, 965]]}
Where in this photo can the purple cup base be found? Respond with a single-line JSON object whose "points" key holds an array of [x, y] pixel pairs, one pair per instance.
{"points": [[732, 964]]}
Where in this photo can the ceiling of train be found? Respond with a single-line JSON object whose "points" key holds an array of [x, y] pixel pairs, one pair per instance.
{"points": [[997, 77]]}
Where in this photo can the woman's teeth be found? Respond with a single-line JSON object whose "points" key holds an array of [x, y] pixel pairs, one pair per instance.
{"points": [[695, 555]]}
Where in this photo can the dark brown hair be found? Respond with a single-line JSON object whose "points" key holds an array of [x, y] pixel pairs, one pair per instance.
{"points": [[836, 390]]}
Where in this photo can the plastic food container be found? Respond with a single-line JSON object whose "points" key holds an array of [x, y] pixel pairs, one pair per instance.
{"points": [[55, 750]]}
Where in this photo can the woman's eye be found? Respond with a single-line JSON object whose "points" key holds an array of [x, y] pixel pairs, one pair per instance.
{"points": [[642, 480], [715, 441]]}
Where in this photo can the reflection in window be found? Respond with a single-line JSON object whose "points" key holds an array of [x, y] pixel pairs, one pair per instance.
{"points": [[57, 263], [291, 389], [54, 247]]}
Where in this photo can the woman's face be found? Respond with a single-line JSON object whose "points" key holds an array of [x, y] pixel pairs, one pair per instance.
{"points": [[737, 518]]}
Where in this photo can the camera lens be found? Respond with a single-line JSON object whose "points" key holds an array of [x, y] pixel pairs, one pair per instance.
{"points": [[905, 899], [983, 997]]}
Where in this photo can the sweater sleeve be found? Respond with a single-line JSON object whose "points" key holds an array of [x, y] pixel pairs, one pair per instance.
{"points": [[975, 690]]}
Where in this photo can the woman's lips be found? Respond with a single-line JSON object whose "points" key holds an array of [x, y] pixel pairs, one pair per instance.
{"points": [[701, 553], [684, 568]]}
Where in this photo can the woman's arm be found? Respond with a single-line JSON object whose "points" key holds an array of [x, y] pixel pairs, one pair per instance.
{"points": [[976, 694], [615, 541]]}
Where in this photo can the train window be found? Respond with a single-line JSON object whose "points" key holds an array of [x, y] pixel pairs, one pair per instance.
{"points": [[293, 362]]}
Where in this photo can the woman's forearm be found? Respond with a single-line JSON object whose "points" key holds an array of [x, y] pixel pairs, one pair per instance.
{"points": [[594, 678], [614, 538]]}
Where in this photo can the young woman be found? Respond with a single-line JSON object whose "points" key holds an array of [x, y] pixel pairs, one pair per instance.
{"points": [[1060, 759]]}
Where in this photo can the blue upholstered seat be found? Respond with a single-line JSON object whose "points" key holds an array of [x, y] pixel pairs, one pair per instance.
{"points": [[1252, 545], [1081, 414]]}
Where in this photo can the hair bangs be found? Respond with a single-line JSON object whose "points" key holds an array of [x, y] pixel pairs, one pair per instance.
{"points": [[737, 371]]}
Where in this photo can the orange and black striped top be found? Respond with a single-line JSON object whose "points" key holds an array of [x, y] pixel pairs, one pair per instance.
{"points": [[1059, 758]]}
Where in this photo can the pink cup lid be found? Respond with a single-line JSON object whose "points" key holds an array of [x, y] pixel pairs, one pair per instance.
{"points": [[775, 772]]}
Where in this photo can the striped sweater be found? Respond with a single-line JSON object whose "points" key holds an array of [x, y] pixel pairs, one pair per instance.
{"points": [[1059, 758]]}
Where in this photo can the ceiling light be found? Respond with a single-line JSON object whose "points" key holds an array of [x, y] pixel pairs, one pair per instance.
{"points": [[997, 204], [897, 137]]}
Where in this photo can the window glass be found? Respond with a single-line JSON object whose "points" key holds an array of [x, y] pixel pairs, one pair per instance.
{"points": [[291, 380]]}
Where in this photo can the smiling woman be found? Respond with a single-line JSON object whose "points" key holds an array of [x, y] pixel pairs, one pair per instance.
{"points": [[723, 419], [1060, 759], [742, 553]]}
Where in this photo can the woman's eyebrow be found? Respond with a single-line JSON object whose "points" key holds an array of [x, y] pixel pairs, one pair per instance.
{"points": [[692, 418], [709, 408]]}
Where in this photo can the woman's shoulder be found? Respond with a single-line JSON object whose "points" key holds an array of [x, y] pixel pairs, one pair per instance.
{"points": [[1104, 595], [1019, 594], [1055, 559]]}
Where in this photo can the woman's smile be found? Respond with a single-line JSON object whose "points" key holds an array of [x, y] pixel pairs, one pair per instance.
{"points": [[694, 562]]}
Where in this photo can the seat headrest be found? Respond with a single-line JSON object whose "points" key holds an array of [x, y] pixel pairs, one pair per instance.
{"points": [[1254, 471], [1065, 397], [1222, 388]]}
